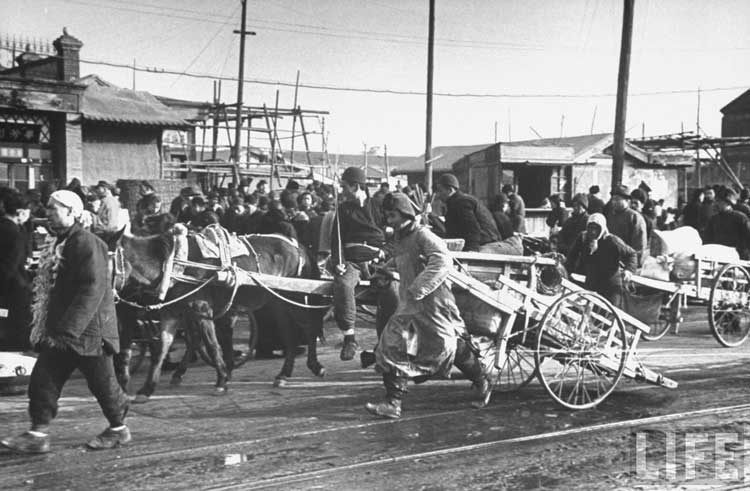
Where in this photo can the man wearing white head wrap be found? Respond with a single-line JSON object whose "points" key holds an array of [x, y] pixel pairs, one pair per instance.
{"points": [[74, 327], [604, 258]]}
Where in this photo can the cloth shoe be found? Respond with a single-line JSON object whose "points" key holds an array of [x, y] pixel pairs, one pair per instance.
{"points": [[349, 348], [110, 438], [27, 443], [387, 409], [367, 358]]}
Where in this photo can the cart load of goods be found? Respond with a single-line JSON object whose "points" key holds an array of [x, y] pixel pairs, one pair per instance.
{"points": [[673, 254]]}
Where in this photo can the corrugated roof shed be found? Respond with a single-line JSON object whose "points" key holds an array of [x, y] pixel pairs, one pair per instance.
{"points": [[102, 101]]}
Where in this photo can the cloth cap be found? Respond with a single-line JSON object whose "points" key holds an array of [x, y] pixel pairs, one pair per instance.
{"points": [[354, 175], [600, 220], [398, 202], [582, 199], [449, 180], [638, 195], [68, 199], [644, 186], [621, 190]]}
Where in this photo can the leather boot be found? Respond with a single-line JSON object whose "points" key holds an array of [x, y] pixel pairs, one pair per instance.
{"points": [[467, 361], [387, 409], [395, 389]]}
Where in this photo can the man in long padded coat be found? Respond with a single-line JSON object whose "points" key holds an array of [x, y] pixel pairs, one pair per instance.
{"points": [[424, 337], [74, 327]]}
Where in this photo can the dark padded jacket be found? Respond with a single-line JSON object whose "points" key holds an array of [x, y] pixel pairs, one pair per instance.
{"points": [[466, 218], [81, 313]]}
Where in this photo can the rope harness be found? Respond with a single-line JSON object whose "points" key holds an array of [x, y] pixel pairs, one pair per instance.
{"points": [[229, 277]]}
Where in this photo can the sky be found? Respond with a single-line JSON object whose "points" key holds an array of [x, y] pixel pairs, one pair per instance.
{"points": [[539, 67]]}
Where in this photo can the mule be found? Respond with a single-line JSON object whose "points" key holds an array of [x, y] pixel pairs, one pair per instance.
{"points": [[142, 262]]}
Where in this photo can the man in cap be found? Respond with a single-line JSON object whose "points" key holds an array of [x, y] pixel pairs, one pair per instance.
{"points": [[180, 206], [517, 209], [356, 241], [107, 219], [706, 210], [598, 254], [465, 217], [596, 204], [574, 225], [15, 283], [729, 227], [426, 335], [626, 223], [638, 201], [74, 328], [261, 189]]}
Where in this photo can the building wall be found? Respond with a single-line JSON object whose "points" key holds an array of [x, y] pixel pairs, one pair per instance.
{"points": [[115, 152], [664, 182]]}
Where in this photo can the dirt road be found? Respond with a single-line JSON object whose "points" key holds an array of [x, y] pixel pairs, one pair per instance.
{"points": [[315, 434]]}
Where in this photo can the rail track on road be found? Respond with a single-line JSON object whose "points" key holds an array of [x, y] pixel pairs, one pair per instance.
{"points": [[17, 466], [307, 476]]}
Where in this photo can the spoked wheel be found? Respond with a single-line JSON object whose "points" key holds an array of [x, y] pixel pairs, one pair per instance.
{"points": [[728, 306], [582, 333], [517, 370], [668, 314]]}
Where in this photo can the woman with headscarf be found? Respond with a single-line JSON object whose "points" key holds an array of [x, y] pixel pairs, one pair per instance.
{"points": [[605, 259]]}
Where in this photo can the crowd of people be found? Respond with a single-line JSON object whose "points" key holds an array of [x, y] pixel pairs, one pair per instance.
{"points": [[392, 238]]}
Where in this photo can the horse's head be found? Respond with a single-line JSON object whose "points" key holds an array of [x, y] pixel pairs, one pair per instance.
{"points": [[139, 259]]}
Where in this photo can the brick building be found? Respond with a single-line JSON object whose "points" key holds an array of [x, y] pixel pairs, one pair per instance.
{"points": [[55, 125]]}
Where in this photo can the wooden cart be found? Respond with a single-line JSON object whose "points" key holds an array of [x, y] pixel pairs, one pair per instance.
{"points": [[723, 287], [574, 341]]}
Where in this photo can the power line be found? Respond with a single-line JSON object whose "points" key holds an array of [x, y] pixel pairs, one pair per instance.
{"points": [[371, 90], [208, 43], [388, 37]]}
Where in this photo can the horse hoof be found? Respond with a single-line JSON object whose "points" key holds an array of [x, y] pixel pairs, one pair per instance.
{"points": [[321, 372], [279, 382], [141, 399], [175, 381], [220, 391]]}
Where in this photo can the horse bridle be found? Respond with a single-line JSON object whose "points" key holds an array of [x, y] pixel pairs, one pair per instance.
{"points": [[118, 269]]}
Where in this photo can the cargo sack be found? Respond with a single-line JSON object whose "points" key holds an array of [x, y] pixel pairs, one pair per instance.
{"points": [[682, 240], [656, 268], [480, 318], [643, 303]]}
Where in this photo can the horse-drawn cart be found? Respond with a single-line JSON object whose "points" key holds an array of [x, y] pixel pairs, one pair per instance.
{"points": [[574, 341]]}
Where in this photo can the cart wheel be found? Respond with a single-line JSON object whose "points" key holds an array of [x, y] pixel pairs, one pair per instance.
{"points": [[728, 306], [581, 332], [660, 327], [517, 370]]}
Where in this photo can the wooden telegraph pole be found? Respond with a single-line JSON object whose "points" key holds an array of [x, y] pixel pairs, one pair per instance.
{"points": [[428, 129], [241, 81], [618, 145]]}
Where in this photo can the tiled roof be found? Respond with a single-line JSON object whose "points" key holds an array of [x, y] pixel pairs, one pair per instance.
{"points": [[102, 101]]}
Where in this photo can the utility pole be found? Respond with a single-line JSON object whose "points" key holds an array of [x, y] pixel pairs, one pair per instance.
{"points": [[133, 73], [240, 83], [618, 145], [495, 131], [364, 145], [294, 120], [697, 150], [428, 125], [593, 120], [387, 164]]}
